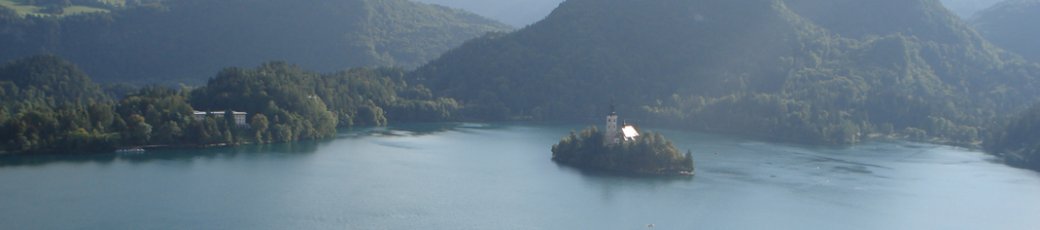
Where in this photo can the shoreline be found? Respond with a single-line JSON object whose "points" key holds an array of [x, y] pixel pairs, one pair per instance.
{"points": [[665, 173], [770, 139]]}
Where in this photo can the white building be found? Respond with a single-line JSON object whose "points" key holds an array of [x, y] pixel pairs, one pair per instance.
{"points": [[629, 132], [240, 117], [611, 132]]}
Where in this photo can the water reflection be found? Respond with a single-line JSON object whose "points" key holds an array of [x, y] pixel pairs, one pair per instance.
{"points": [[42, 159], [475, 176], [415, 129], [612, 175], [175, 155], [192, 154]]}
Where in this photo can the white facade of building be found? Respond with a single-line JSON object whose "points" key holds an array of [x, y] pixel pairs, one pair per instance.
{"points": [[611, 132], [630, 132], [240, 117]]}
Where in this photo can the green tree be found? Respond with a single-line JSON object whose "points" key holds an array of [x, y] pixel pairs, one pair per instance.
{"points": [[259, 124], [139, 131]]}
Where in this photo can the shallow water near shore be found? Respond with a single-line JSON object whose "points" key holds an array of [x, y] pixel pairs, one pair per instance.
{"points": [[499, 176]]}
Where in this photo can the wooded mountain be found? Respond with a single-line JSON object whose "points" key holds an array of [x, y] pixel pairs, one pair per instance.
{"points": [[46, 81], [189, 40], [819, 71], [1018, 140], [48, 105], [1013, 25]]}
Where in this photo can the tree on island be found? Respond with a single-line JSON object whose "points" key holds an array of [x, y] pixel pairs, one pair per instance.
{"points": [[649, 154]]}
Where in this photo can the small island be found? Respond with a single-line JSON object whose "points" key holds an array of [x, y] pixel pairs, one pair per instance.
{"points": [[622, 150]]}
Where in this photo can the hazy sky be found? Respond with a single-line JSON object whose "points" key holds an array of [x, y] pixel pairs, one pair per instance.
{"points": [[517, 13], [966, 8]]}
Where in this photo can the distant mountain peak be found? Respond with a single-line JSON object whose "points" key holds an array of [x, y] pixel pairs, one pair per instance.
{"points": [[189, 40], [925, 19], [824, 69], [1012, 25]]}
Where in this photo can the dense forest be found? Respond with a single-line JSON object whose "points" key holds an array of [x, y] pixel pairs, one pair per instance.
{"points": [[1012, 24], [49, 105], [814, 71], [184, 41], [1018, 140], [299, 104], [649, 154]]}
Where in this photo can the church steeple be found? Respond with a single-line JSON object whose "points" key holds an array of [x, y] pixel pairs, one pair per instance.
{"points": [[610, 133]]}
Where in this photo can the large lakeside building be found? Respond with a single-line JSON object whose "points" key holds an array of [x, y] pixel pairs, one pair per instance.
{"points": [[240, 117]]}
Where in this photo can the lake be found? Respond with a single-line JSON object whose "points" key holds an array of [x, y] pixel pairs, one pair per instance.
{"points": [[499, 176]]}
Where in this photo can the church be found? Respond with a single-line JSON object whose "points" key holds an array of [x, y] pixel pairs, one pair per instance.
{"points": [[612, 135]]}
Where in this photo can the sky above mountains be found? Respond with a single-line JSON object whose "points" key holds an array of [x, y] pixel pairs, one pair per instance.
{"points": [[967, 8], [520, 13]]}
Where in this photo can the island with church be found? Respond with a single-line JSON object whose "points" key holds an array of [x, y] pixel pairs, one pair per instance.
{"points": [[623, 150]]}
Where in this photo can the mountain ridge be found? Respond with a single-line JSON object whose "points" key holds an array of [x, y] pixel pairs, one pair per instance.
{"points": [[187, 40], [1011, 25], [751, 67]]}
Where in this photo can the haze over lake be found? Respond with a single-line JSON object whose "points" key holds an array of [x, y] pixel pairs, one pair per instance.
{"points": [[499, 176]]}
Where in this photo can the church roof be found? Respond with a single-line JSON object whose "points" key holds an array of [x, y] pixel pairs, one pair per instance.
{"points": [[629, 132]]}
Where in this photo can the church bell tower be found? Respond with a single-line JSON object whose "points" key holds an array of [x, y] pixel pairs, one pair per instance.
{"points": [[610, 134]]}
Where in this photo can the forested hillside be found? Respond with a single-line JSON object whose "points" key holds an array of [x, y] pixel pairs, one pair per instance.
{"points": [[49, 105], [188, 40], [1013, 25], [355, 97], [797, 70], [1018, 140]]}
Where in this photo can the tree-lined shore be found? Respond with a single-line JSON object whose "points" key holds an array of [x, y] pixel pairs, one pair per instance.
{"points": [[49, 105]]}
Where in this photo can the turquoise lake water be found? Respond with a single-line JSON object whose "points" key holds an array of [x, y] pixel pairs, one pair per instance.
{"points": [[499, 176]]}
